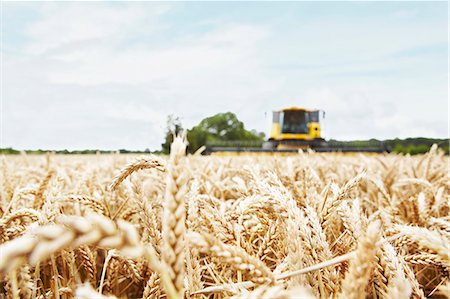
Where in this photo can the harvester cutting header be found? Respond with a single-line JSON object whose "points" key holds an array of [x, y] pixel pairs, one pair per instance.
{"points": [[295, 129]]}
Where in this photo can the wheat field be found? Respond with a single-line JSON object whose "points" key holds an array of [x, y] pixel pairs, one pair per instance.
{"points": [[307, 225]]}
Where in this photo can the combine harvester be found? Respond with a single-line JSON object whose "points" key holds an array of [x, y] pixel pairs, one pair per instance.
{"points": [[295, 129]]}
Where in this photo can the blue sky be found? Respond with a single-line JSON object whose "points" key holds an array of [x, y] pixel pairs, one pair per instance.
{"points": [[106, 74]]}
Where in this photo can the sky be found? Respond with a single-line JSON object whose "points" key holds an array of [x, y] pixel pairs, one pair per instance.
{"points": [[105, 75]]}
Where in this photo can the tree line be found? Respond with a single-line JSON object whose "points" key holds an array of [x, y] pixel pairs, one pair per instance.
{"points": [[221, 127], [225, 127]]}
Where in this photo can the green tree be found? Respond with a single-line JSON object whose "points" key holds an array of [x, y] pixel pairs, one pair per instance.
{"points": [[220, 127], [9, 151], [173, 127]]}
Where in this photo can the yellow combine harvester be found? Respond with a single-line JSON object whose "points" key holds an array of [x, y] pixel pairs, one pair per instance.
{"points": [[296, 129]]}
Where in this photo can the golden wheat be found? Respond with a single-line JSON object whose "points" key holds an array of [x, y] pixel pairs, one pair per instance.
{"points": [[307, 225]]}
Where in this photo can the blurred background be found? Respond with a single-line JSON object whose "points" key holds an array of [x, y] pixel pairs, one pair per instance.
{"points": [[96, 75]]}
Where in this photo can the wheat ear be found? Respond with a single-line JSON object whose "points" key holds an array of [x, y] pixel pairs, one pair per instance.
{"points": [[174, 220], [73, 232], [152, 288], [143, 163], [361, 266], [235, 256], [427, 239], [39, 199]]}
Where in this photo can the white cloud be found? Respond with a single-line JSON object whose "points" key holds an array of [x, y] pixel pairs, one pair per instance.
{"points": [[215, 51], [69, 24]]}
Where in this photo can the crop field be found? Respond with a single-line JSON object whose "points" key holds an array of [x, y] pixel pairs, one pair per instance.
{"points": [[308, 225]]}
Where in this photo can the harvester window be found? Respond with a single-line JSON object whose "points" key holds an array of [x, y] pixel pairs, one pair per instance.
{"points": [[314, 116], [295, 122]]}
